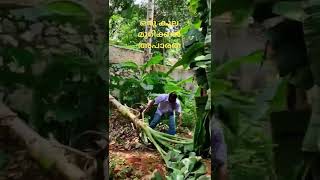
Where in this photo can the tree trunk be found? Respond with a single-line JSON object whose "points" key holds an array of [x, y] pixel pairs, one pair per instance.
{"points": [[48, 155], [126, 112], [150, 14]]}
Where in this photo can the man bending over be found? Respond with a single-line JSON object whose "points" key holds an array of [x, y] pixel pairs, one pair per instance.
{"points": [[167, 104]]}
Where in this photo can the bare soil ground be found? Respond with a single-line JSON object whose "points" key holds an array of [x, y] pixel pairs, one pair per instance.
{"points": [[128, 158]]}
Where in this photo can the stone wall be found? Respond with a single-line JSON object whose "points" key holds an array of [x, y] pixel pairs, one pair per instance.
{"points": [[118, 54], [34, 42]]}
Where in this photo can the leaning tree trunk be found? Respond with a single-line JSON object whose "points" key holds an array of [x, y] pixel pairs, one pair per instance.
{"points": [[43, 151]]}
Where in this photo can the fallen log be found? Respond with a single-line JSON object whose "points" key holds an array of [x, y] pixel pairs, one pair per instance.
{"points": [[48, 155]]}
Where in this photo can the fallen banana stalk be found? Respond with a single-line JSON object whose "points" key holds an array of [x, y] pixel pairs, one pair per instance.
{"points": [[161, 141], [48, 155]]}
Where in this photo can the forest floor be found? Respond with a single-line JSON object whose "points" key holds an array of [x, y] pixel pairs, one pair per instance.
{"points": [[128, 157]]}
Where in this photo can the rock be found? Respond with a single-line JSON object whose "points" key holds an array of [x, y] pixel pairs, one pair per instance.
{"points": [[38, 68], [46, 23], [40, 46], [15, 68], [68, 29], [73, 39], [27, 36], [7, 39], [51, 31], [69, 48], [8, 26], [52, 41], [76, 77], [35, 29], [91, 47], [30, 49], [55, 51], [22, 25], [20, 100], [87, 38]]}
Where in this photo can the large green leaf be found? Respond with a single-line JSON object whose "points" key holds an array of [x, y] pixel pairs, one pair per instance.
{"points": [[234, 64], [156, 176], [129, 64], [188, 56], [290, 9], [154, 60], [61, 11], [202, 57], [193, 5], [68, 8], [22, 56]]}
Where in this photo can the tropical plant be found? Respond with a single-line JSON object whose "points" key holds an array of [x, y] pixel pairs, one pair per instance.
{"points": [[139, 84], [171, 148], [295, 58]]}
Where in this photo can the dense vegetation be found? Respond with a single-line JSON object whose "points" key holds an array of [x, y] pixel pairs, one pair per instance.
{"points": [[53, 79]]}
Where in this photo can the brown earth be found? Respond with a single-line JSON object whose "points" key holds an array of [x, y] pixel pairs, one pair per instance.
{"points": [[130, 159]]}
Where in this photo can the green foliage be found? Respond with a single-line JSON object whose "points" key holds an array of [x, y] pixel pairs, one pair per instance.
{"points": [[65, 93], [22, 57], [250, 153], [188, 56], [233, 64], [189, 111], [154, 60], [139, 84], [124, 31], [68, 8], [60, 11], [201, 134], [185, 166]]}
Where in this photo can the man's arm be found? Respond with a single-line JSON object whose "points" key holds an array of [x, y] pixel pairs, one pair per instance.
{"points": [[150, 104]]}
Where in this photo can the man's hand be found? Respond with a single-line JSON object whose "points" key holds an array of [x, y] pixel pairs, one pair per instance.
{"points": [[150, 104]]}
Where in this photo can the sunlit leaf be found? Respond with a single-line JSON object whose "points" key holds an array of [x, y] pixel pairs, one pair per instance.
{"points": [[202, 57], [154, 60], [129, 64], [188, 56]]}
